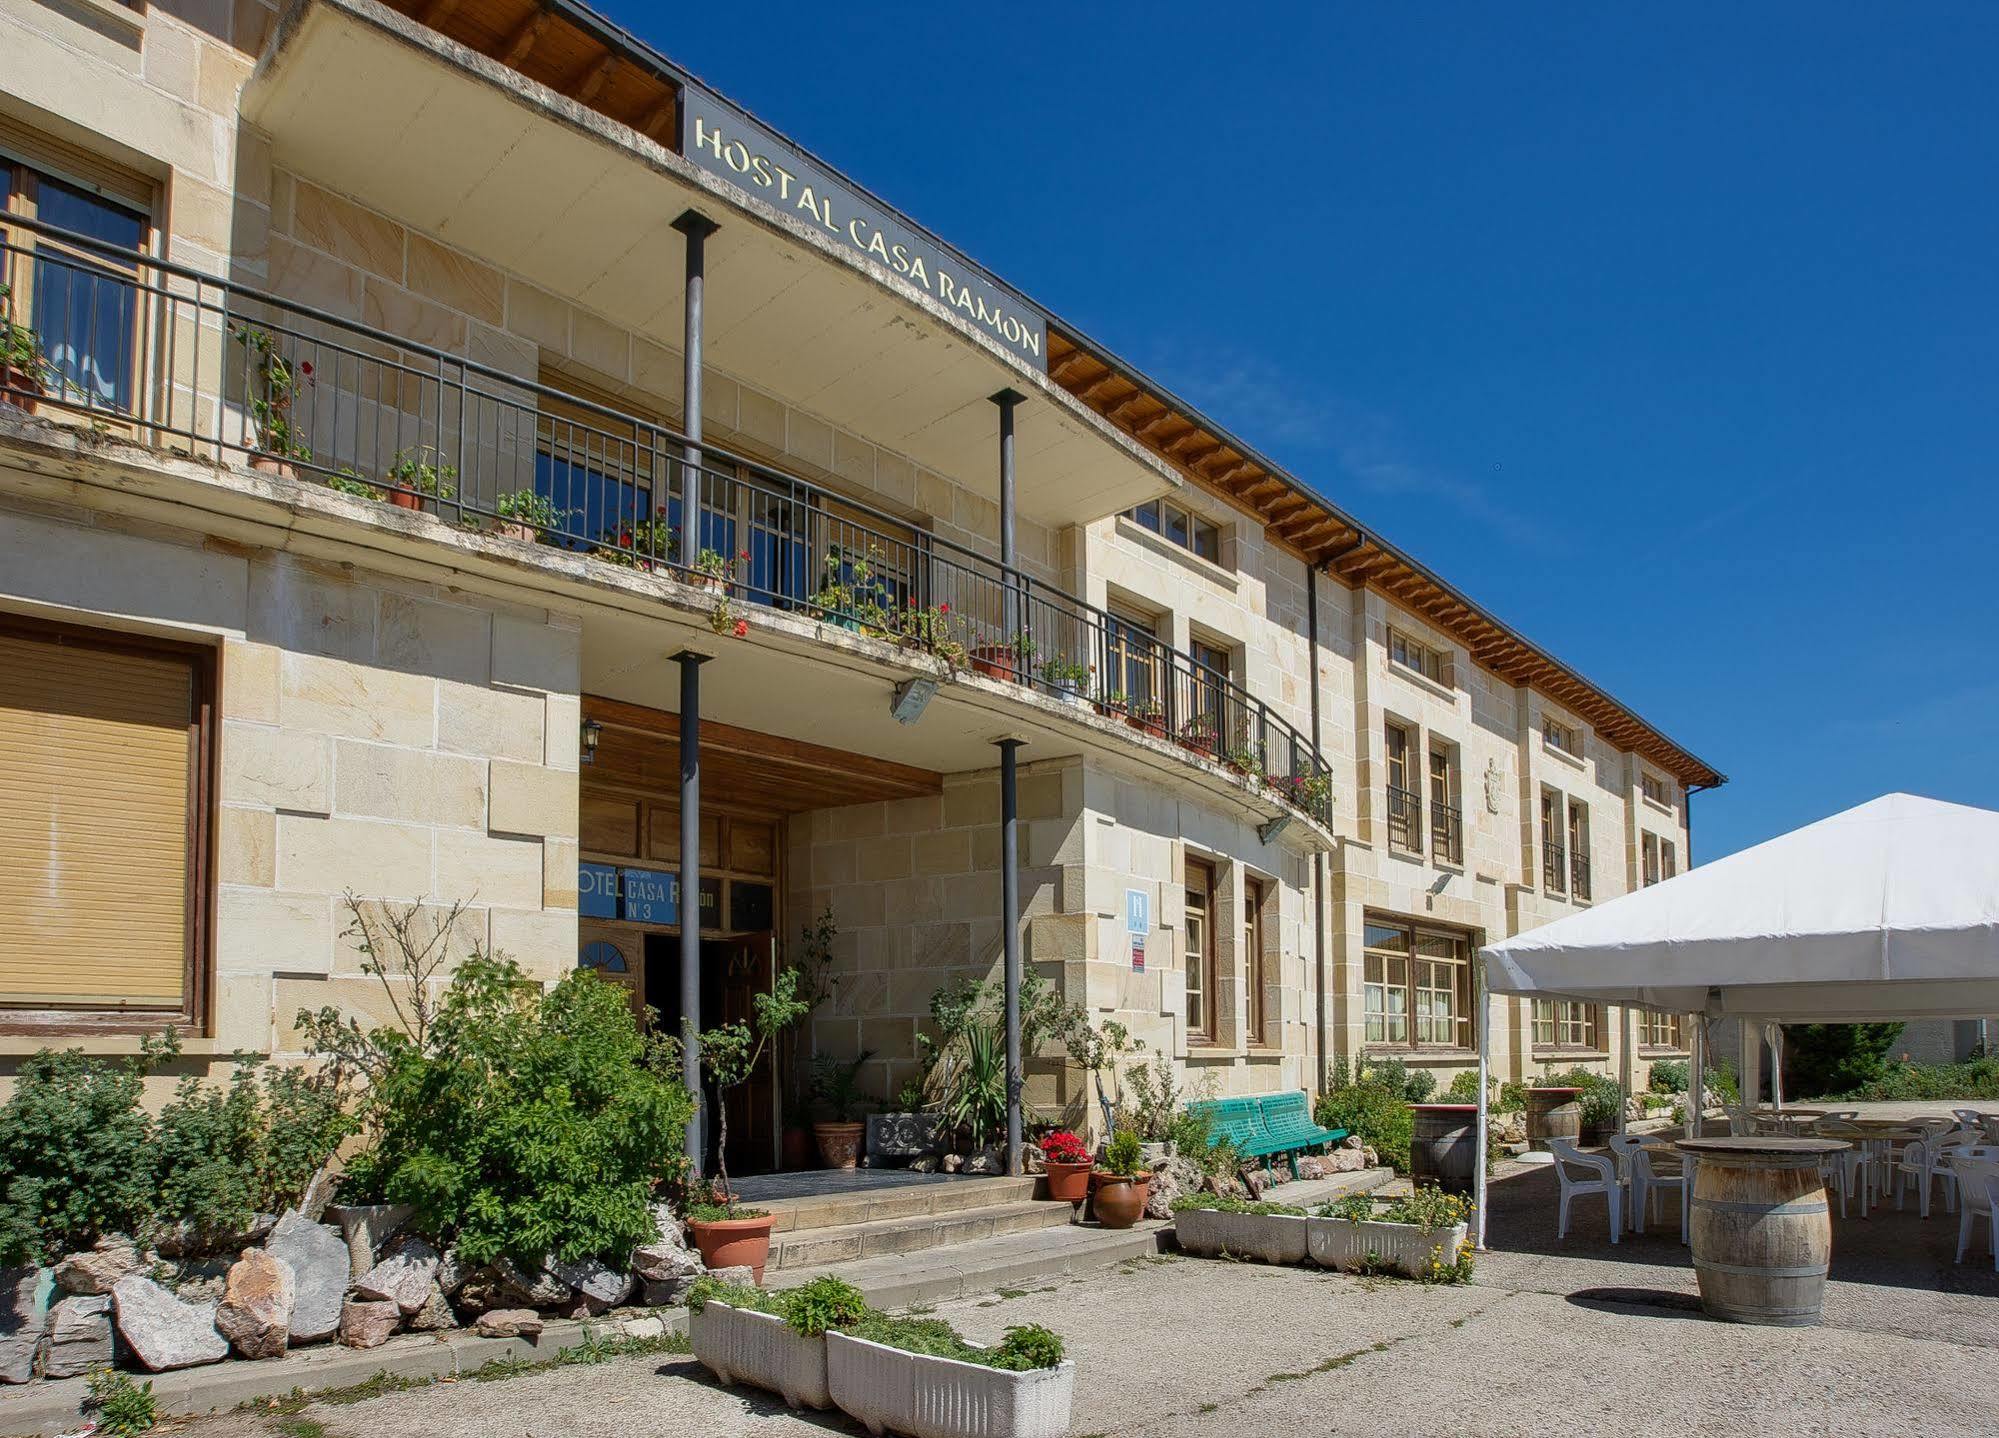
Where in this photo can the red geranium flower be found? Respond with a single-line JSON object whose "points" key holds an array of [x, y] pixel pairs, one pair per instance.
{"points": [[742, 628], [1062, 1146], [943, 609]]}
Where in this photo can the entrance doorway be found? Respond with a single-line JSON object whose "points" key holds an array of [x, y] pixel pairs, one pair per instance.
{"points": [[733, 972]]}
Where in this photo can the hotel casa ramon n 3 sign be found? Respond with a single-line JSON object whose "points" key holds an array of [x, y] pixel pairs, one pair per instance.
{"points": [[725, 141]]}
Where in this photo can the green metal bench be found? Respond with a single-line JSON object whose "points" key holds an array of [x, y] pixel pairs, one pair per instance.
{"points": [[1268, 1125]]}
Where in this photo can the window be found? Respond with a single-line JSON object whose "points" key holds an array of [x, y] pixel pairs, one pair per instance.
{"points": [[1579, 885], [1200, 956], [1254, 962], [1661, 1031], [1648, 851], [1419, 973], [1447, 832], [104, 761], [82, 304], [1405, 805], [1563, 1025], [1563, 738], [1179, 526], [1669, 862], [1211, 689], [1134, 663], [1554, 854], [1658, 790], [1419, 658]]}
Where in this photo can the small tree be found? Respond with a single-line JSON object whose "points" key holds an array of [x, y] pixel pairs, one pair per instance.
{"points": [[1096, 1048], [731, 1052], [1830, 1059]]}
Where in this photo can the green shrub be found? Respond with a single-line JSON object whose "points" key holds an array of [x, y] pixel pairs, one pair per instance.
{"points": [[1230, 1205], [1429, 1207], [76, 1155], [1512, 1096], [1670, 1076], [124, 1409], [515, 1121], [1374, 1110], [1027, 1346], [1823, 1059], [826, 1302], [1420, 1084], [1931, 1083], [1035, 1347], [1463, 1089]]}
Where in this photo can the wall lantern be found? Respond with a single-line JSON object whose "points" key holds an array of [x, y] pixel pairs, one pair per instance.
{"points": [[593, 733], [911, 699]]}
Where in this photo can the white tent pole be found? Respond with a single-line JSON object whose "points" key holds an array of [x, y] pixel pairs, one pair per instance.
{"points": [[1751, 1059], [1696, 1098], [1623, 1065], [1774, 1033], [1484, 1081]]}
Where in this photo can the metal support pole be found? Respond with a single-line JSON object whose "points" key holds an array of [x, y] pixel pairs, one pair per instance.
{"points": [[690, 892], [1696, 1071], [1006, 399], [1773, 1034], [1318, 860], [697, 227], [1749, 1083], [1484, 1001], [1010, 938], [1624, 1038]]}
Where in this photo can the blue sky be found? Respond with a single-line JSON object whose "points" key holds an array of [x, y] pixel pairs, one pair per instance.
{"points": [[1670, 334]]}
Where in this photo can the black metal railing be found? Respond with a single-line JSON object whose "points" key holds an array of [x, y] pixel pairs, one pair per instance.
{"points": [[1554, 865], [1405, 820], [1447, 833], [1579, 875], [150, 351]]}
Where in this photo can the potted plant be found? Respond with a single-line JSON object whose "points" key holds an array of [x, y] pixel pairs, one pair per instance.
{"points": [[1095, 1049], [775, 1341], [416, 476], [23, 370], [1065, 678], [1118, 1190], [919, 1376], [728, 1235], [1421, 1236], [1599, 1102], [528, 516], [1069, 1165], [1215, 1227], [1200, 735], [1247, 762], [1155, 1106], [836, 1085], [931, 629], [908, 1129], [816, 982], [274, 383], [975, 1103]]}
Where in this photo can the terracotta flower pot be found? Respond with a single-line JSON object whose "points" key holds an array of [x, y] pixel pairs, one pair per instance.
{"points": [[995, 662], [509, 528], [1069, 1182], [839, 1143], [405, 499], [1119, 1201], [17, 381], [273, 464], [797, 1148], [734, 1242]]}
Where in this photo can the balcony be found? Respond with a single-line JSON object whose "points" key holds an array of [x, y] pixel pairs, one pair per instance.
{"points": [[1447, 833], [1579, 876], [1405, 820], [178, 361], [1554, 867]]}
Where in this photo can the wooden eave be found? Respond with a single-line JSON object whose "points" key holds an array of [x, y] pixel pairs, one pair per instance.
{"points": [[1297, 521]]}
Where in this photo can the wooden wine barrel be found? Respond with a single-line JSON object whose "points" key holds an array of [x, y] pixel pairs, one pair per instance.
{"points": [[1762, 1230], [1553, 1113], [1444, 1147]]}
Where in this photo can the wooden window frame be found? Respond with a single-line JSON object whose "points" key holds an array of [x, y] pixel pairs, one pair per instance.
{"points": [[1582, 879], [1562, 1017], [1411, 960], [198, 923], [1655, 790], [1563, 738], [1660, 1032], [1132, 646], [1649, 870], [1200, 952], [1669, 860], [1254, 961], [1425, 661], [1554, 840], [1398, 750], [1195, 526], [1445, 788]]}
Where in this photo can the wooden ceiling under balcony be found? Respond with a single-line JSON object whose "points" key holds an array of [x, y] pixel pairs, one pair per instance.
{"points": [[545, 46]]}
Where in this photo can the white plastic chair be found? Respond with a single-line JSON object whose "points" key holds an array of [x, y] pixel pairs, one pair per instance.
{"points": [[1979, 1187], [1566, 1154], [1921, 1165], [1646, 1183]]}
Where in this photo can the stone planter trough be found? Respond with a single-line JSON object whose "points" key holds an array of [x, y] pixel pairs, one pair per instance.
{"points": [[1402, 1247], [891, 1391], [1267, 1237], [740, 1345]]}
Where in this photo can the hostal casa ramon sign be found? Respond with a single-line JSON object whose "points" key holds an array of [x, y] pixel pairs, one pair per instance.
{"points": [[726, 142]]}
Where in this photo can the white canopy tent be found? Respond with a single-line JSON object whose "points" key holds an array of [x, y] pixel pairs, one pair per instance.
{"points": [[1886, 911]]}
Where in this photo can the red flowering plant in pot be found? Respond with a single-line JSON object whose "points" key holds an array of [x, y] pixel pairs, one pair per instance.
{"points": [[1069, 1165], [273, 382], [24, 373]]}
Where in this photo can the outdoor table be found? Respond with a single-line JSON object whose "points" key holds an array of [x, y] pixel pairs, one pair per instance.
{"points": [[1762, 1230]]}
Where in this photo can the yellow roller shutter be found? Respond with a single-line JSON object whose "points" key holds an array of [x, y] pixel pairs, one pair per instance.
{"points": [[97, 750]]}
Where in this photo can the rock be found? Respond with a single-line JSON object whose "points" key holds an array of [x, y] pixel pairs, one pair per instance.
{"points": [[643, 1327], [24, 1317], [161, 1331], [435, 1315], [255, 1314], [368, 1323], [99, 1270], [404, 1277], [741, 1273], [366, 1227], [541, 1289], [79, 1336], [1256, 1180], [1369, 1158], [664, 1263], [319, 1264], [986, 1162], [1352, 1140], [953, 1162], [509, 1323], [1032, 1159], [926, 1164], [1179, 1176], [318, 1194], [600, 1287], [452, 1271], [664, 1292], [1345, 1160]]}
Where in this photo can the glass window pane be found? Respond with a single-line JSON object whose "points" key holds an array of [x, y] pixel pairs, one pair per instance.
{"points": [[1147, 514], [1384, 936], [1207, 541], [84, 308]]}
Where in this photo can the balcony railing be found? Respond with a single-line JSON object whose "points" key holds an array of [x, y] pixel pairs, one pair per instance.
{"points": [[1554, 866], [1447, 833], [1405, 820], [1579, 875], [163, 355]]}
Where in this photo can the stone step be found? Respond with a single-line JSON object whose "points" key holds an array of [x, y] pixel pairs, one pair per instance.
{"points": [[964, 1269], [819, 1247], [876, 1205]]}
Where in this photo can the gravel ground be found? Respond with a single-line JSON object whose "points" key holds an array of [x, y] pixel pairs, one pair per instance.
{"points": [[1170, 1347]]}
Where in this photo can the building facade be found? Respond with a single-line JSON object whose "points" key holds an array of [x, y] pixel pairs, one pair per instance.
{"points": [[346, 561]]}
